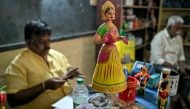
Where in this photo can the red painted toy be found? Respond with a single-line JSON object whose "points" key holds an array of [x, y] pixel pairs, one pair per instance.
{"points": [[3, 97], [129, 94]]}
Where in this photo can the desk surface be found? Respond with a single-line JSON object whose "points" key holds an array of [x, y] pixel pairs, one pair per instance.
{"points": [[149, 99]]}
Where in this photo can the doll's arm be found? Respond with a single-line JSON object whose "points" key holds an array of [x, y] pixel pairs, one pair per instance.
{"points": [[97, 39], [119, 38], [137, 76], [123, 38]]}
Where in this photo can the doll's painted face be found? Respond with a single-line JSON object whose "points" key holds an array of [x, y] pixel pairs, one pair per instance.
{"points": [[110, 15], [144, 69], [167, 77]]}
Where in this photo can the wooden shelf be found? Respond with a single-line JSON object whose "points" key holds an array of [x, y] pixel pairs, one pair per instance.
{"points": [[140, 28], [141, 7], [176, 9], [184, 26], [141, 46], [186, 44]]}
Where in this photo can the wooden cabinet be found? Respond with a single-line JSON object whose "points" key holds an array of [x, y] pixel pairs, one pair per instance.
{"points": [[165, 13], [145, 32], [141, 12]]}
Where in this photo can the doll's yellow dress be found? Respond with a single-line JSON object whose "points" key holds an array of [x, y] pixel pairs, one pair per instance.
{"points": [[108, 74]]}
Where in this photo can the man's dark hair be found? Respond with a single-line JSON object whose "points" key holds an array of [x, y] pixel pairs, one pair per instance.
{"points": [[37, 28]]}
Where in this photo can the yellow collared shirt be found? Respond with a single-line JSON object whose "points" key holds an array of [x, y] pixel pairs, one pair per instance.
{"points": [[29, 69]]}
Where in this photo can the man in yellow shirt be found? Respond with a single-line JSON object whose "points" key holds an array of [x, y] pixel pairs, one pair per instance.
{"points": [[36, 78]]}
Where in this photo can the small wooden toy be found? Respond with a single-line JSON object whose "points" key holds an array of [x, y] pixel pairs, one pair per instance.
{"points": [[142, 77]]}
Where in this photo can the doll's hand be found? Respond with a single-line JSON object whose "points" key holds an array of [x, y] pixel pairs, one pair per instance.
{"points": [[125, 40]]}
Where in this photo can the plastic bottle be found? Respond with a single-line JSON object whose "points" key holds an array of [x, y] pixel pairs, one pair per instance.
{"points": [[80, 93]]}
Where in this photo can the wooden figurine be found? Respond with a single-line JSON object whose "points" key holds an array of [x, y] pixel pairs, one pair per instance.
{"points": [[142, 78], [163, 89], [163, 94], [108, 74], [165, 75]]}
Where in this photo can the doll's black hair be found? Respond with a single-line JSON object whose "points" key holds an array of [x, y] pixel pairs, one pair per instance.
{"points": [[109, 8], [164, 84]]}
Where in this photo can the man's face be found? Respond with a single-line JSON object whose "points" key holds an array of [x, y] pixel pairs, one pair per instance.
{"points": [[175, 29], [39, 44]]}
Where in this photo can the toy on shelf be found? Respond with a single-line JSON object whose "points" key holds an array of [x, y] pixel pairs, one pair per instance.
{"points": [[153, 18], [163, 89], [108, 73], [142, 77]]}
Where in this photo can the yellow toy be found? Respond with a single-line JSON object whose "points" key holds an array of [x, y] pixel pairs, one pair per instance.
{"points": [[108, 74]]}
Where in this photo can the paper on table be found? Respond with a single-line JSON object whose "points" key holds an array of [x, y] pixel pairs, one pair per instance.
{"points": [[64, 103]]}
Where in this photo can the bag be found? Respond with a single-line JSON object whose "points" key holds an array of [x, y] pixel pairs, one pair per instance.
{"points": [[127, 53]]}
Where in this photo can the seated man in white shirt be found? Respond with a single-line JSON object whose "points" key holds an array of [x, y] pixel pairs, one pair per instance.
{"points": [[167, 47], [167, 51]]}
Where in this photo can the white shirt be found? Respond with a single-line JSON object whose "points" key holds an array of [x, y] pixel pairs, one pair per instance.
{"points": [[164, 48]]}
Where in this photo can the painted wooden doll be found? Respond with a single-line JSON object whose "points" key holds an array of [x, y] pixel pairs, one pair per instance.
{"points": [[163, 89], [108, 74], [165, 75], [142, 77], [163, 93]]}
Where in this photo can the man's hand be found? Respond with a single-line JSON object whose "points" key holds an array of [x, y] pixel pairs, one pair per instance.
{"points": [[182, 70], [54, 83], [74, 72]]}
